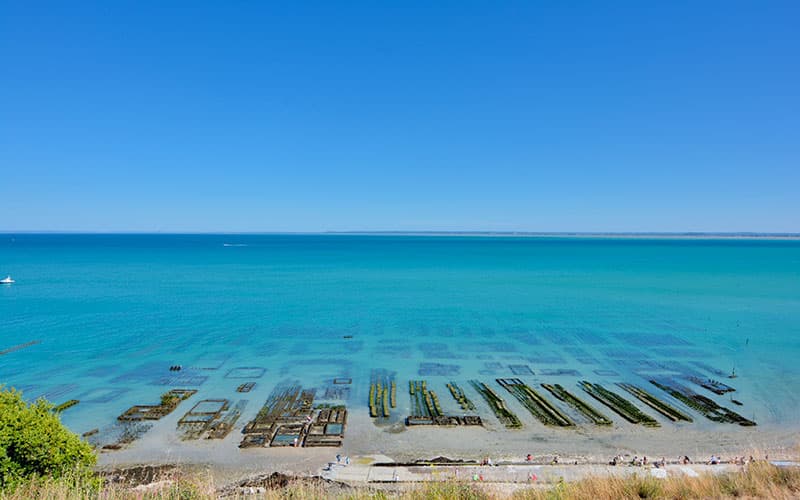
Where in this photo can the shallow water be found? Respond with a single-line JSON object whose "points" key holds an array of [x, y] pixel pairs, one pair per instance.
{"points": [[114, 312]]}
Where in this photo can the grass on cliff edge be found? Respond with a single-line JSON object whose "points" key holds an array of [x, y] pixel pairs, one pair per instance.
{"points": [[759, 480]]}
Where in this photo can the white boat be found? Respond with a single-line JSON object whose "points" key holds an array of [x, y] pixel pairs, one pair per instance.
{"points": [[6, 281]]}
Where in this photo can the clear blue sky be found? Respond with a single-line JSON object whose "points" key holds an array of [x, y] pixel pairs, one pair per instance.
{"points": [[262, 116]]}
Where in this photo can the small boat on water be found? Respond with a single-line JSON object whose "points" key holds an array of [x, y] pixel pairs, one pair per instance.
{"points": [[6, 281]]}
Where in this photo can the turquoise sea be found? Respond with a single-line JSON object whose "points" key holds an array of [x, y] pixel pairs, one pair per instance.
{"points": [[114, 312]]}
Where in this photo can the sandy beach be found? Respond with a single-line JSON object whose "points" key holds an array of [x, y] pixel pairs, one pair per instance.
{"points": [[581, 452]]}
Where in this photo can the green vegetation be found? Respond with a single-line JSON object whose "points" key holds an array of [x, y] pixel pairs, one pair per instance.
{"points": [[539, 407], [589, 412], [619, 405], [701, 404], [382, 394], [373, 391], [497, 404], [65, 405], [759, 480], [385, 403], [172, 398], [329, 406], [653, 402], [378, 400], [424, 403], [460, 397], [33, 442]]}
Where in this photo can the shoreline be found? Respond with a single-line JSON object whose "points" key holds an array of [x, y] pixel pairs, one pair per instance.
{"points": [[580, 454], [373, 477], [571, 235], [377, 471]]}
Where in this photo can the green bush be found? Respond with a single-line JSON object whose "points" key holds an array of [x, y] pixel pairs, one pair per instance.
{"points": [[33, 442]]}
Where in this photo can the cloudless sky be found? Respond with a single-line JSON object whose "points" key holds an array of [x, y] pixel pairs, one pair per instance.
{"points": [[415, 115]]}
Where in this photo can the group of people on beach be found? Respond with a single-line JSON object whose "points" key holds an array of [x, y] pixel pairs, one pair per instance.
{"points": [[745, 460], [684, 460], [637, 462], [528, 458]]}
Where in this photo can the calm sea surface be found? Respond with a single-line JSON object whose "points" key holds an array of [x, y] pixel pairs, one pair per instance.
{"points": [[114, 312]]}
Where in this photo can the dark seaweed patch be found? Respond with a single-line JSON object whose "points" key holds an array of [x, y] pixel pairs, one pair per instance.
{"points": [[681, 353], [102, 394], [650, 340], [497, 404], [585, 409], [521, 370], [538, 405], [210, 361], [618, 404], [545, 358], [708, 407], [438, 369], [557, 372], [340, 392], [142, 373], [588, 336], [57, 391], [181, 378], [246, 372], [487, 347]]}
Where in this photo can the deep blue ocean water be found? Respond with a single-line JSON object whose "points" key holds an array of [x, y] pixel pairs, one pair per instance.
{"points": [[113, 312]]}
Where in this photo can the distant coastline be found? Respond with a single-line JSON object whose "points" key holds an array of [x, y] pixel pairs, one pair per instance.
{"points": [[505, 234], [525, 234]]}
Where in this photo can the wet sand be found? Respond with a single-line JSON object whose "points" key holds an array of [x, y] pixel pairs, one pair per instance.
{"points": [[591, 448]]}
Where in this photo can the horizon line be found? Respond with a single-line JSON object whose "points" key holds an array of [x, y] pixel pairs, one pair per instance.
{"points": [[721, 234]]}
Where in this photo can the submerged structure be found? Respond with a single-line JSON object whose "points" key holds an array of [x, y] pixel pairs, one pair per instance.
{"points": [[426, 409], [289, 418], [619, 405]]}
